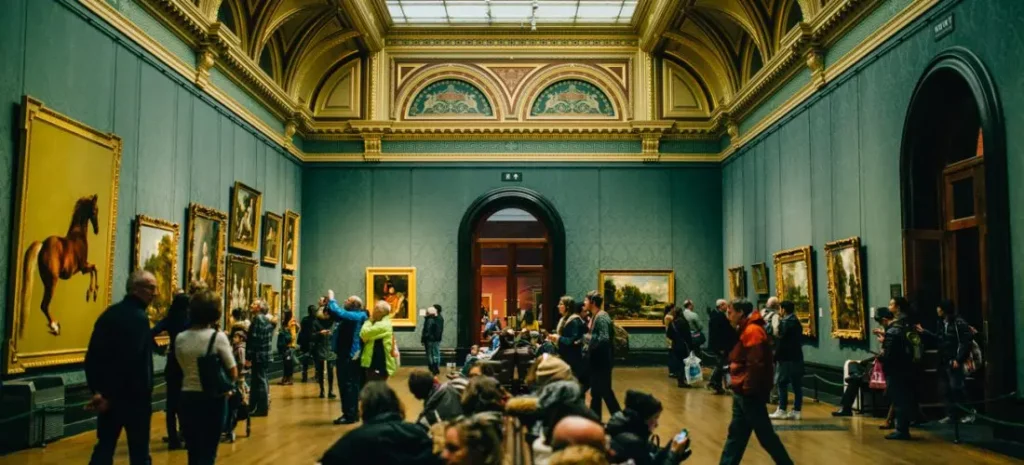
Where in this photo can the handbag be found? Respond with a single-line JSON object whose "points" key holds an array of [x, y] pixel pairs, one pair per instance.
{"points": [[877, 380], [212, 376]]}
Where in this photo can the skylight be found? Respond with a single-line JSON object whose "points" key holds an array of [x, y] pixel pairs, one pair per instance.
{"points": [[511, 12]]}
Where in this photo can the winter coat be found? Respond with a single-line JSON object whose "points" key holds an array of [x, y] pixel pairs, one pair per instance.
{"points": [[383, 440], [630, 436], [374, 333], [444, 403], [680, 333], [570, 343], [788, 344], [896, 356], [320, 344], [433, 327], [750, 362], [954, 339], [722, 335]]}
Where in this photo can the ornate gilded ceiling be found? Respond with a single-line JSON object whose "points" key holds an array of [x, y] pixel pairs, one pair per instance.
{"points": [[344, 68]]}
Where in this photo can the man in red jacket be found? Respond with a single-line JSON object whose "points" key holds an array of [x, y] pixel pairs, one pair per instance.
{"points": [[751, 373]]}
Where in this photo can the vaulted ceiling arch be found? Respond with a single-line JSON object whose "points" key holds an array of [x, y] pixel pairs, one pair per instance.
{"points": [[749, 16], [274, 15]]}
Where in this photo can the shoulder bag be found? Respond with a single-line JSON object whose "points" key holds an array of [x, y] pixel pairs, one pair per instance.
{"points": [[212, 376]]}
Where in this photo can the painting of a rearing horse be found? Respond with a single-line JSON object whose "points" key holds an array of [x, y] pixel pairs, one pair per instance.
{"points": [[59, 258]]}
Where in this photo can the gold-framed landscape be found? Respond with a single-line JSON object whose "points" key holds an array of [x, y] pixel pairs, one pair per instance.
{"points": [[51, 323], [155, 249], [846, 289], [397, 287], [204, 254], [737, 282], [794, 281], [637, 298]]}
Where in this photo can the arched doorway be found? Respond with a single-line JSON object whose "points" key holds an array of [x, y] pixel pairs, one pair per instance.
{"points": [[955, 208], [511, 246]]}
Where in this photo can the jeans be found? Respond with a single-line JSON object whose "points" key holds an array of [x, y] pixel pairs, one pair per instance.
{"points": [[717, 381], [673, 364], [306, 360], [202, 416], [288, 363], [853, 386], [601, 388], [350, 382], [131, 415], [172, 409], [319, 365], [791, 374], [433, 356], [902, 396], [259, 396], [955, 392], [750, 415]]}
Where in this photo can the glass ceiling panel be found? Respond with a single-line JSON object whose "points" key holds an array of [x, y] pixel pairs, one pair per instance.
{"points": [[413, 12]]}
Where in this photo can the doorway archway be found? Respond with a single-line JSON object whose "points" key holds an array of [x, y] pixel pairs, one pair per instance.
{"points": [[530, 202], [954, 193]]}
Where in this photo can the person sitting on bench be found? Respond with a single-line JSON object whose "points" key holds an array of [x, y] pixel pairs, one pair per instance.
{"points": [[860, 373]]}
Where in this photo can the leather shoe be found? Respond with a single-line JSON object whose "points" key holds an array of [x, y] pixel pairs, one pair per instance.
{"points": [[898, 436], [842, 413], [342, 420]]}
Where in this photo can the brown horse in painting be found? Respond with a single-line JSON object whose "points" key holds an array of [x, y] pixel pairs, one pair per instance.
{"points": [[60, 258]]}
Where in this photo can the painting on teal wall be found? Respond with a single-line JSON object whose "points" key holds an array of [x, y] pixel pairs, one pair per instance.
{"points": [[794, 281], [573, 98], [637, 298], [846, 288], [449, 98]]}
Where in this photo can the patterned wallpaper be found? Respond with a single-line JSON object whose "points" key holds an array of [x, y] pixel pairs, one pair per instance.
{"points": [[635, 217]]}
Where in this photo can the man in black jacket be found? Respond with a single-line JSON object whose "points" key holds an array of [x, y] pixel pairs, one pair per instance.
{"points": [[898, 364], [722, 337], [789, 355], [305, 327], [119, 371], [433, 329]]}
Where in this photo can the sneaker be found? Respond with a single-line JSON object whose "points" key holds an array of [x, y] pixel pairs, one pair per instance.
{"points": [[794, 415], [342, 420], [945, 421], [779, 415], [968, 419], [842, 413], [332, 396]]}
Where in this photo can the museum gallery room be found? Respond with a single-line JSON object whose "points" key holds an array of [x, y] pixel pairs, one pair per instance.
{"points": [[512, 232]]}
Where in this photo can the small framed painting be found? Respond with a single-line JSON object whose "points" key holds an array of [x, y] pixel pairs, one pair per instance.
{"points": [[156, 251], [737, 282], [760, 274], [242, 285], [246, 204], [397, 287], [287, 292], [290, 242], [270, 251]]}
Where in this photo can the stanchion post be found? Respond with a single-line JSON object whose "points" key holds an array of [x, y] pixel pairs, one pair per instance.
{"points": [[816, 396], [956, 429]]}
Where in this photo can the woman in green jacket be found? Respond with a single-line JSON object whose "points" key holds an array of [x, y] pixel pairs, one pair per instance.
{"points": [[379, 358]]}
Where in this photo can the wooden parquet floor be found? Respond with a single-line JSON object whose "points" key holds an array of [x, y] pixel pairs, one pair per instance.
{"points": [[299, 429]]}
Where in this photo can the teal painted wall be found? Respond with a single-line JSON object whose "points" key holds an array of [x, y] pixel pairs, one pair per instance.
{"points": [[178, 147], [615, 218], [830, 169]]}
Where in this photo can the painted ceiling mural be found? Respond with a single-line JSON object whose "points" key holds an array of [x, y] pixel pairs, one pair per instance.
{"points": [[572, 98], [450, 98]]}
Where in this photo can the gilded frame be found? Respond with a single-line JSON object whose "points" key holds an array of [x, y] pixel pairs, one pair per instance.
{"points": [[196, 211], [668, 275], [143, 221], [34, 112], [410, 298], [287, 293], [737, 282], [270, 250], [789, 257], [834, 252], [248, 245], [254, 284], [759, 272], [290, 242]]}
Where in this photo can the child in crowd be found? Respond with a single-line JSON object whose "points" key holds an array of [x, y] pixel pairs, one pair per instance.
{"points": [[238, 403], [471, 359]]}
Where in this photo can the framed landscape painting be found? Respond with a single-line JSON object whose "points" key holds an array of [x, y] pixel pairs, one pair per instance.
{"points": [[242, 284], [794, 281], [846, 289], [246, 205], [62, 257], [760, 272], [270, 251], [737, 282], [637, 297], [204, 255], [290, 242], [155, 249], [397, 287]]}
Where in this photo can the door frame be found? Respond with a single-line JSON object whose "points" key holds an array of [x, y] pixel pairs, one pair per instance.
{"points": [[1001, 330], [485, 205]]}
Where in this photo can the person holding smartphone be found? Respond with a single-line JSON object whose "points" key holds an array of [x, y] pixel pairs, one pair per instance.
{"points": [[631, 430]]}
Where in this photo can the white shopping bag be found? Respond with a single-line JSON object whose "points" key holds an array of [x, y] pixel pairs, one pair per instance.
{"points": [[693, 371]]}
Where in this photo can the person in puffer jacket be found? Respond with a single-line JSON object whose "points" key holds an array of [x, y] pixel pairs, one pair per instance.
{"points": [[631, 429], [433, 329], [751, 372]]}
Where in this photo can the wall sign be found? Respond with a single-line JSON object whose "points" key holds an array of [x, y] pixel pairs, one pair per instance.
{"points": [[943, 27], [895, 290], [511, 176]]}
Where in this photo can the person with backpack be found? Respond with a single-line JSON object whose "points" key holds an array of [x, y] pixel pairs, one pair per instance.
{"points": [[898, 356], [600, 353], [954, 339], [723, 338]]}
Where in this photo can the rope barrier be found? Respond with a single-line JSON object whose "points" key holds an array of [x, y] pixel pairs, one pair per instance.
{"points": [[988, 418], [60, 409]]}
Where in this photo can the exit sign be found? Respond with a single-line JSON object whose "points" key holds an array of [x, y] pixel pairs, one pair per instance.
{"points": [[511, 176], [943, 27]]}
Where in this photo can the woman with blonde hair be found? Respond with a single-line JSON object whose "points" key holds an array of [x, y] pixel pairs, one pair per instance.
{"points": [[379, 350]]}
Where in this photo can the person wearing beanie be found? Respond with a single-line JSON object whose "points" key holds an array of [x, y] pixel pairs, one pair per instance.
{"points": [[631, 429], [433, 329], [549, 370]]}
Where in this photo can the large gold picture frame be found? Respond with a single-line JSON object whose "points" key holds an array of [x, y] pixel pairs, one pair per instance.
{"points": [[794, 281], [846, 289], [204, 254], [760, 275], [155, 249], [637, 298], [737, 282], [396, 286], [270, 251], [242, 285], [290, 242], [246, 207], [67, 171]]}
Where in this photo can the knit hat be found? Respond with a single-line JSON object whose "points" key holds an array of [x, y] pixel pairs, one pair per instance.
{"points": [[645, 405], [559, 392], [552, 369]]}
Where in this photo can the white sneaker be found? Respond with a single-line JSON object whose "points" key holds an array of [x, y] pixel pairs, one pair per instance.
{"points": [[945, 421], [968, 419], [794, 415], [779, 414]]}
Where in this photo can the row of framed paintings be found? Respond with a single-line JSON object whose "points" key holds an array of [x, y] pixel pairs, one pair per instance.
{"points": [[280, 235], [794, 281]]}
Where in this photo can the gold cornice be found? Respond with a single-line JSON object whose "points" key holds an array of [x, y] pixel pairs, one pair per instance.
{"points": [[656, 18], [494, 128], [516, 157]]}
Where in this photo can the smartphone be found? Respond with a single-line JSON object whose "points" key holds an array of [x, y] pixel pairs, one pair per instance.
{"points": [[682, 436]]}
